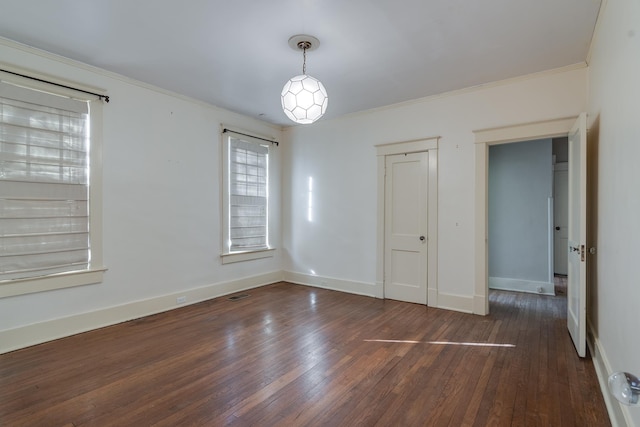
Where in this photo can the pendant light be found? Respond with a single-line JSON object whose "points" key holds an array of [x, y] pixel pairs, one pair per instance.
{"points": [[304, 98]]}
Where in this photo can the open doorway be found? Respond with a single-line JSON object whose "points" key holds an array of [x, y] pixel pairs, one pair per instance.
{"points": [[576, 130], [483, 140], [520, 217], [527, 215]]}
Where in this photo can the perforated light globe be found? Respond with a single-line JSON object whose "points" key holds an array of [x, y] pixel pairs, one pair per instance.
{"points": [[304, 99]]}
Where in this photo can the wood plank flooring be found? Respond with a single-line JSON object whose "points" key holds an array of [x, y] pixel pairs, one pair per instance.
{"points": [[291, 355]]}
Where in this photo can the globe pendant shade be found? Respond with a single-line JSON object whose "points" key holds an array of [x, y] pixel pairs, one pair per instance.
{"points": [[304, 99]]}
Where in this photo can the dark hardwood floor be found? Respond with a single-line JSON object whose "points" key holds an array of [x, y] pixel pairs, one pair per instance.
{"points": [[291, 355]]}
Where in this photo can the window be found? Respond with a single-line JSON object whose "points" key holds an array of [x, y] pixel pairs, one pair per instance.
{"points": [[246, 198], [49, 200]]}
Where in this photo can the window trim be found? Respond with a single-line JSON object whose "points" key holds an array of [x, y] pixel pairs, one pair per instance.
{"points": [[232, 257], [95, 272], [226, 256]]}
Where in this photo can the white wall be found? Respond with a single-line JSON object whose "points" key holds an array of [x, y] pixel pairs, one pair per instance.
{"points": [[615, 138], [339, 245], [161, 192], [520, 186], [161, 199]]}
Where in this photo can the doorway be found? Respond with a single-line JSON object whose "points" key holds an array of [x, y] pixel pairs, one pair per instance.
{"points": [[576, 130], [520, 217], [528, 215], [483, 140]]}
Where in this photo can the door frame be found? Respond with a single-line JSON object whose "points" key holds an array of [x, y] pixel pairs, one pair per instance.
{"points": [[483, 139], [429, 145]]}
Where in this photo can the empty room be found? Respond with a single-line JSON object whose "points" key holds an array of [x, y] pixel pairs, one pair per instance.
{"points": [[284, 213]]}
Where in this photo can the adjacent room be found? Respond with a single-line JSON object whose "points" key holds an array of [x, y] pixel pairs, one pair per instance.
{"points": [[319, 213]]}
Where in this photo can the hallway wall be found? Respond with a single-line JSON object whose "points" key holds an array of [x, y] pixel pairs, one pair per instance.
{"points": [[520, 186], [614, 139]]}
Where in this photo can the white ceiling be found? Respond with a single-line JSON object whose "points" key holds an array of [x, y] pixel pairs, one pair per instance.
{"points": [[234, 53]]}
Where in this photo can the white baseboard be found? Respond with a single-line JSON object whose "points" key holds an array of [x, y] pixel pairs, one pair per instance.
{"points": [[352, 287], [454, 302], [519, 285], [618, 413], [37, 333], [436, 299], [432, 297], [480, 305]]}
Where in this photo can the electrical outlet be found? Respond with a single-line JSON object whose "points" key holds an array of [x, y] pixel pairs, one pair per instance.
{"points": [[181, 300]]}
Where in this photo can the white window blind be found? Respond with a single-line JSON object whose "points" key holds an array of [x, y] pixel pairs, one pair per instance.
{"points": [[44, 184], [248, 195]]}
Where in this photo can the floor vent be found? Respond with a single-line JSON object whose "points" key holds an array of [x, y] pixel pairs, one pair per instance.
{"points": [[237, 297]]}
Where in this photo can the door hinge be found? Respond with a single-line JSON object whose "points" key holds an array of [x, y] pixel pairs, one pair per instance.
{"points": [[582, 257]]}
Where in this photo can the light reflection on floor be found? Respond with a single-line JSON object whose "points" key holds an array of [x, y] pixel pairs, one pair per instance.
{"points": [[470, 344]]}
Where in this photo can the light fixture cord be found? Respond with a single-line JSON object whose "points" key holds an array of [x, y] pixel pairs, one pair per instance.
{"points": [[304, 45], [304, 60]]}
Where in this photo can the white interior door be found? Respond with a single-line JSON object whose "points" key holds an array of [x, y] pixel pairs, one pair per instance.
{"points": [[577, 236], [560, 218], [406, 188]]}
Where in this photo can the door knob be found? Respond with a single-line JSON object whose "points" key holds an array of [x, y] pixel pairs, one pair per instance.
{"points": [[557, 228], [422, 238]]}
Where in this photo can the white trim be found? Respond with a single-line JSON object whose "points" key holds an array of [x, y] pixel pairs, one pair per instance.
{"points": [[33, 95], [247, 256], [619, 414], [483, 139], [95, 185], [481, 238], [481, 304], [432, 227], [462, 303], [37, 333], [31, 285], [520, 285], [402, 147], [380, 209], [525, 131], [430, 145], [348, 286]]}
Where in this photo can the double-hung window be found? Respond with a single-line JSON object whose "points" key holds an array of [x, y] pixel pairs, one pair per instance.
{"points": [[245, 198], [49, 201]]}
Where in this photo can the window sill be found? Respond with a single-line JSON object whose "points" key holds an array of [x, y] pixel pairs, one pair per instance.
{"points": [[9, 288], [247, 256]]}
